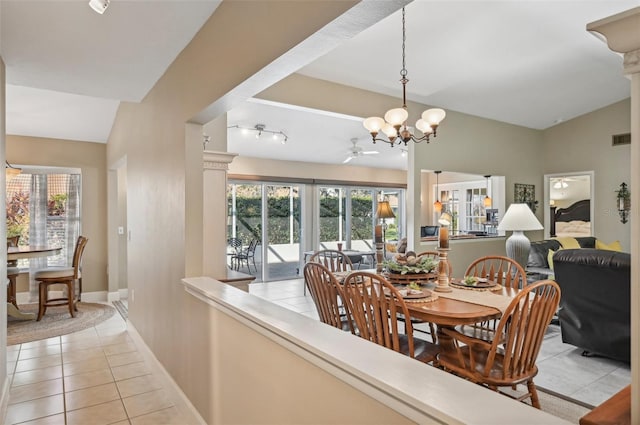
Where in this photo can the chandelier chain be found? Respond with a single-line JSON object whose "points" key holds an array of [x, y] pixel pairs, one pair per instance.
{"points": [[403, 71]]}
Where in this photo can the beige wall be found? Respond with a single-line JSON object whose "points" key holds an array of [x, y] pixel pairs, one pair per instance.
{"points": [[584, 144], [306, 170], [151, 135], [90, 159]]}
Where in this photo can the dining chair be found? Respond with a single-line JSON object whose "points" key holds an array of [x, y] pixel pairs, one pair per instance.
{"points": [[12, 276], [13, 241], [510, 358], [67, 276], [503, 270], [374, 304], [334, 260], [327, 294], [436, 256]]}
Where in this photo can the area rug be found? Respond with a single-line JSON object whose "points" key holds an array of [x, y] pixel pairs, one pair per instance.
{"points": [[555, 404], [55, 322]]}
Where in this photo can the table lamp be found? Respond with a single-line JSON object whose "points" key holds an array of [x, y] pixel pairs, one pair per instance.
{"points": [[384, 212], [519, 218]]}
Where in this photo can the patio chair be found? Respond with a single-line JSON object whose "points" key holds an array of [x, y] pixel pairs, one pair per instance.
{"points": [[246, 255]]}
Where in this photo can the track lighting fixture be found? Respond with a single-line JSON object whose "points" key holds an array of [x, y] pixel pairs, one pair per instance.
{"points": [[260, 129]]}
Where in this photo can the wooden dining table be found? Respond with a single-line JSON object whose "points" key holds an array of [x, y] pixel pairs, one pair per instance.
{"points": [[28, 251], [446, 312]]}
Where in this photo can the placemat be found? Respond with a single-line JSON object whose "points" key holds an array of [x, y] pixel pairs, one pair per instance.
{"points": [[485, 298]]}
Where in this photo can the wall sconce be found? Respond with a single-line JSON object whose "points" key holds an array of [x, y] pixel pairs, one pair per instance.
{"points": [[624, 202]]}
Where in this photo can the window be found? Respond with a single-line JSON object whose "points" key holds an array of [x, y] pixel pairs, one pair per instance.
{"points": [[43, 208], [467, 211]]}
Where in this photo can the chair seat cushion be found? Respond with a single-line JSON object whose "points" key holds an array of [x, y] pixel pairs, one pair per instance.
{"points": [[54, 272]]}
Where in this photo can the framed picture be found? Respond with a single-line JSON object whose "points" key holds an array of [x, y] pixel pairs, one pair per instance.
{"points": [[525, 194]]}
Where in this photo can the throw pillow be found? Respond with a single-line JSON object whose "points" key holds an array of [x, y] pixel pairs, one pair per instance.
{"points": [[613, 246], [550, 257], [568, 242]]}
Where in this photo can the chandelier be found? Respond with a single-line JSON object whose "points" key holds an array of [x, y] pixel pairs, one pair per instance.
{"points": [[394, 124]]}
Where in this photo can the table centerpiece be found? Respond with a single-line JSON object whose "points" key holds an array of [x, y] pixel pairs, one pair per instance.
{"points": [[409, 267]]}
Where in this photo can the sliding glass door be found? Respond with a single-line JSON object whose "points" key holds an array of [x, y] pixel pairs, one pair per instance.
{"points": [[282, 231]]}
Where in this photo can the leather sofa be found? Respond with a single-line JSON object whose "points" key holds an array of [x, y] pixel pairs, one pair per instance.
{"points": [[595, 306], [538, 254]]}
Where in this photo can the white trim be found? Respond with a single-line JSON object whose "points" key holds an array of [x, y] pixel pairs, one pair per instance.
{"points": [[124, 293], [95, 297], [113, 296], [4, 400], [186, 408]]}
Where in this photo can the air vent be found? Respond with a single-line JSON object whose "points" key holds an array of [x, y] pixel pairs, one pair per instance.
{"points": [[621, 139]]}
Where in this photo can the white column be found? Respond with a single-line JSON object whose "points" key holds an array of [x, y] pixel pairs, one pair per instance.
{"points": [[214, 213], [622, 33]]}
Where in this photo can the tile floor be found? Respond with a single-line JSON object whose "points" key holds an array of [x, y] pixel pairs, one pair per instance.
{"points": [[99, 376], [96, 376]]}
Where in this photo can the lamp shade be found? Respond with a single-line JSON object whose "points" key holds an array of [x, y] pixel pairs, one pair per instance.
{"points": [[519, 217], [384, 210], [445, 219]]}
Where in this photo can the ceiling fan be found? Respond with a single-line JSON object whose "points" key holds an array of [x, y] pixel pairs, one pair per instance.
{"points": [[562, 182], [357, 151]]}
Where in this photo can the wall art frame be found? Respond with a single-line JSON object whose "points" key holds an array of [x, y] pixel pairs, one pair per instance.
{"points": [[525, 194]]}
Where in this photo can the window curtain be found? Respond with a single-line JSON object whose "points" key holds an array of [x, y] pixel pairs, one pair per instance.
{"points": [[37, 228], [72, 218]]}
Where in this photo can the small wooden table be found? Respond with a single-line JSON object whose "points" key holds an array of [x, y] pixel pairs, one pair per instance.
{"points": [[20, 252], [614, 411]]}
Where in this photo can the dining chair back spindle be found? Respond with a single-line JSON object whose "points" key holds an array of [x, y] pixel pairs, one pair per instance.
{"points": [[436, 256], [326, 294], [510, 358], [334, 260], [374, 305], [502, 270]]}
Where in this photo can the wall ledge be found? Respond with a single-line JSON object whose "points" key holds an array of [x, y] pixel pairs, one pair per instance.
{"points": [[421, 393]]}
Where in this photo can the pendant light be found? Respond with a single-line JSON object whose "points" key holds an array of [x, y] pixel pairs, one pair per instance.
{"points": [[487, 200], [437, 206]]}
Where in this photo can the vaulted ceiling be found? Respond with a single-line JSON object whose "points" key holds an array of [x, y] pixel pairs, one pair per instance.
{"points": [[527, 63]]}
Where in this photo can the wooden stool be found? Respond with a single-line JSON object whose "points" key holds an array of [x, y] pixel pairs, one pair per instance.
{"points": [[12, 276]]}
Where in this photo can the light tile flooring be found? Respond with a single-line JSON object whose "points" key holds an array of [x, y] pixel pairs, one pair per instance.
{"points": [[99, 376], [96, 376], [562, 368]]}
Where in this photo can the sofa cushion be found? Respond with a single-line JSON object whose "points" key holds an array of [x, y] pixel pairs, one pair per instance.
{"points": [[568, 242], [539, 252], [613, 246], [550, 257]]}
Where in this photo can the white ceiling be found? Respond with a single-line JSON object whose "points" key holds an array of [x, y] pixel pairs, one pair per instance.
{"points": [[68, 67], [528, 63]]}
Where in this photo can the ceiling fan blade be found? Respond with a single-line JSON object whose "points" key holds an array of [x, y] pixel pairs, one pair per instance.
{"points": [[349, 158], [369, 152]]}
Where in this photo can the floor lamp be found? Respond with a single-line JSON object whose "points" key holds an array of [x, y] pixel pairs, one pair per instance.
{"points": [[384, 212], [519, 218]]}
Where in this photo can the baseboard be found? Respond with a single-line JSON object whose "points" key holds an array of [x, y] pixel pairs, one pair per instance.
{"points": [[95, 297], [4, 400], [124, 293], [113, 296], [186, 408]]}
